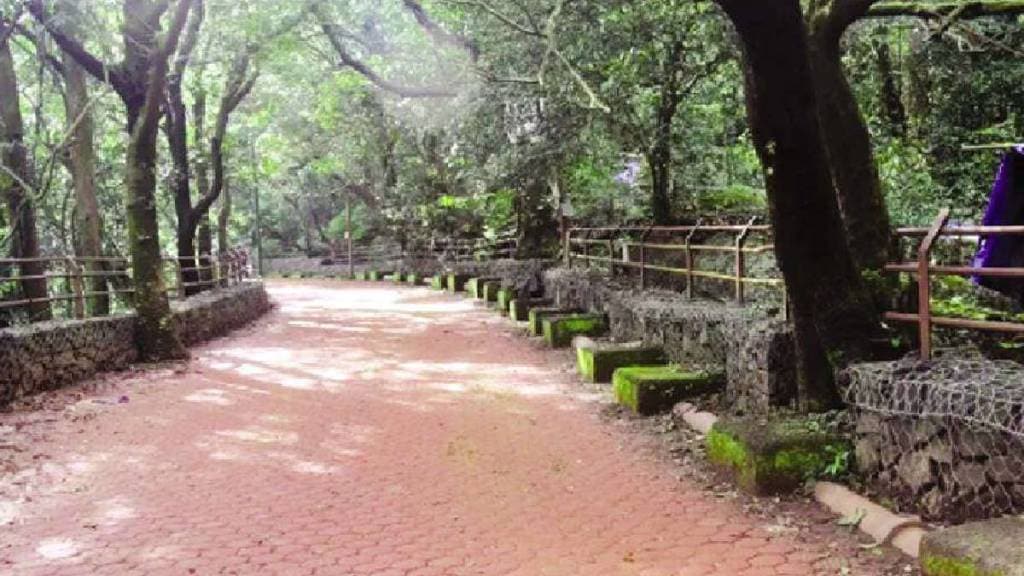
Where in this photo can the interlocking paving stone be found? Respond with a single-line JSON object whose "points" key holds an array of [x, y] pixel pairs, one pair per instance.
{"points": [[370, 429]]}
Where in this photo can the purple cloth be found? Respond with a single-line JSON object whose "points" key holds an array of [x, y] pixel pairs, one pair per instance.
{"points": [[1005, 208]]}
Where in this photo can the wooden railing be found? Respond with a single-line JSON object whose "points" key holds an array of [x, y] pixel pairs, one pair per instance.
{"points": [[461, 250], [923, 269], [72, 280], [581, 243]]}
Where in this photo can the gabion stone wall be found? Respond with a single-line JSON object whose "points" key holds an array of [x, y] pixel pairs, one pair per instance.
{"points": [[942, 439], [50, 355], [756, 351]]}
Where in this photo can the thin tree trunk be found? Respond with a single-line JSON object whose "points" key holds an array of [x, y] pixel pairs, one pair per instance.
{"points": [[15, 186], [832, 313], [659, 161], [88, 223], [918, 87], [203, 229], [890, 101], [223, 217]]}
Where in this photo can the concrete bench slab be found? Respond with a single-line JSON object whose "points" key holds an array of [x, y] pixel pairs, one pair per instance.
{"points": [[413, 279], [504, 300], [457, 282], [475, 286], [987, 548], [777, 456], [378, 275], [519, 308], [490, 291], [598, 360], [649, 390], [437, 282], [558, 331], [538, 314], [396, 277]]}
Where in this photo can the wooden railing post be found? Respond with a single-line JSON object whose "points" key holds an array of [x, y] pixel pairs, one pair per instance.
{"points": [[568, 247], [924, 284], [77, 286], [643, 258], [741, 239], [181, 278], [611, 255], [586, 249], [690, 260]]}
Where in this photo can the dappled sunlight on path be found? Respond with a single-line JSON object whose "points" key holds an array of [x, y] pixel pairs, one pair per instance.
{"points": [[370, 429]]}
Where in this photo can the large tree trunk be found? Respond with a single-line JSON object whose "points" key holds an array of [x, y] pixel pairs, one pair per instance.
{"points": [[181, 185], [537, 228], [659, 160], [15, 186], [847, 140], [88, 223], [832, 312]]}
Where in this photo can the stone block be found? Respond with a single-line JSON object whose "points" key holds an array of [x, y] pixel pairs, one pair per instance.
{"points": [[537, 314], [490, 291], [413, 279], [597, 361], [776, 456], [504, 299], [475, 286], [650, 390], [378, 275], [437, 282], [987, 548], [558, 331], [457, 282]]}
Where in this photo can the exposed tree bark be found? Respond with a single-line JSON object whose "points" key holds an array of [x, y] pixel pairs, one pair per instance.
{"points": [[88, 240], [845, 135], [832, 312], [177, 141], [16, 186], [204, 235], [140, 80], [537, 229], [224, 216]]}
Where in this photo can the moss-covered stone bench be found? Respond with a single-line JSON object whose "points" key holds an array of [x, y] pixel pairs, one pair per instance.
{"points": [[597, 360], [537, 315], [475, 286], [503, 300], [776, 456], [438, 282], [378, 275], [396, 277], [457, 282], [987, 548], [648, 390], [413, 279], [491, 290], [360, 275], [558, 331], [519, 308]]}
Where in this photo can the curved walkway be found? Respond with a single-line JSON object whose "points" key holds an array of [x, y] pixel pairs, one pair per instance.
{"points": [[371, 429]]}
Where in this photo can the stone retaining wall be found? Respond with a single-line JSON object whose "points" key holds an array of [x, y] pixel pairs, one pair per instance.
{"points": [[50, 355], [756, 351], [942, 439]]}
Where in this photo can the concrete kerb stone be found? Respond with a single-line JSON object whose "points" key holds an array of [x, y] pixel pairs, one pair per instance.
{"points": [[597, 360], [777, 456], [558, 331], [648, 390]]}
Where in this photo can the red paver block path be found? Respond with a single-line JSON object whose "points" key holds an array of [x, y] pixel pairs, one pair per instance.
{"points": [[376, 430]]}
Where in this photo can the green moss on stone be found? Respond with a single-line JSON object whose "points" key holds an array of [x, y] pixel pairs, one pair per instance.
{"points": [[537, 315], [942, 566], [775, 457], [437, 282], [653, 389], [558, 331], [457, 282], [413, 279], [490, 291], [597, 362], [504, 298]]}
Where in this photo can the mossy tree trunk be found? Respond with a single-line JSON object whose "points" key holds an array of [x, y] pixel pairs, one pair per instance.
{"points": [[832, 312], [16, 187], [140, 80]]}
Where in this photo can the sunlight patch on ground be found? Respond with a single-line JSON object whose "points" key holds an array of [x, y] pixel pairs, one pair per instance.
{"points": [[57, 548], [210, 396], [260, 435], [8, 511], [115, 510]]}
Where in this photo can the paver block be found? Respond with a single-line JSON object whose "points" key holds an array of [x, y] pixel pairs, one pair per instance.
{"points": [[559, 331], [776, 456], [597, 360], [653, 389], [537, 314], [987, 548], [457, 282]]}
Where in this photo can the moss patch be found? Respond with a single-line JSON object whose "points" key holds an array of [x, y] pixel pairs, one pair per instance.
{"points": [[558, 331], [986, 548], [776, 457], [597, 362], [537, 314], [654, 389], [940, 566]]}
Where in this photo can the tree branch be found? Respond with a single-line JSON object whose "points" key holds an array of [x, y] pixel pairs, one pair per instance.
{"points": [[439, 34], [930, 10]]}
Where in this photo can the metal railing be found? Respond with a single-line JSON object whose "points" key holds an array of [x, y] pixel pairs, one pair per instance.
{"points": [[923, 269], [72, 280], [581, 244]]}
